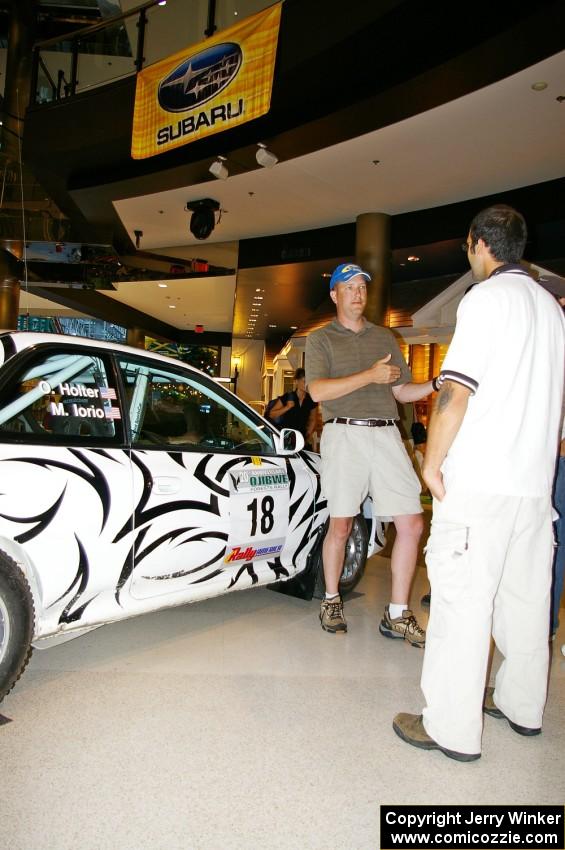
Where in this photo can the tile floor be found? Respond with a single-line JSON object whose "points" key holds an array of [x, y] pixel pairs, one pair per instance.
{"points": [[238, 724]]}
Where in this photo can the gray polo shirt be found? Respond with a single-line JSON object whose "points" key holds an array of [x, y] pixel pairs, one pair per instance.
{"points": [[334, 352]]}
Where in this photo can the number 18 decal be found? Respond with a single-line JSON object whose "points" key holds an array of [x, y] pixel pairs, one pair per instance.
{"points": [[258, 520], [267, 519]]}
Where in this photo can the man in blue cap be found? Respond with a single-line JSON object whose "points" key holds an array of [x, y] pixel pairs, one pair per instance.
{"points": [[357, 372]]}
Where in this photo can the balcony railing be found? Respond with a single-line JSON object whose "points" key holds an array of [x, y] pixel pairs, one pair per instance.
{"points": [[122, 45]]}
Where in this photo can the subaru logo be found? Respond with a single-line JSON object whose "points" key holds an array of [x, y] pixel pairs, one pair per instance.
{"points": [[200, 77]]}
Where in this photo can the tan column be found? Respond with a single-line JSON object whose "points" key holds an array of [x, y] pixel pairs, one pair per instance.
{"points": [[372, 252], [9, 303], [136, 337], [9, 291]]}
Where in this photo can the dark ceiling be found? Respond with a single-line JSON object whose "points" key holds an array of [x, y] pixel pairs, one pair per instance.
{"points": [[337, 76]]}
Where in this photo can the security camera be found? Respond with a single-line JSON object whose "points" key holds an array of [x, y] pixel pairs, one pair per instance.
{"points": [[203, 217]]}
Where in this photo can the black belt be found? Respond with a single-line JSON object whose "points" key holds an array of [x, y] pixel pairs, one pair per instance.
{"points": [[371, 423]]}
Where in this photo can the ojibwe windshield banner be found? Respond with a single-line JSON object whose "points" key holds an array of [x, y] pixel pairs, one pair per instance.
{"points": [[207, 88]]}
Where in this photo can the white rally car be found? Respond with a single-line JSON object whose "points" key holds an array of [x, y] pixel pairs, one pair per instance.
{"points": [[131, 482]]}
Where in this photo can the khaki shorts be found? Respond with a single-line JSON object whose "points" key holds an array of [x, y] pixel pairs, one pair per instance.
{"points": [[358, 460]]}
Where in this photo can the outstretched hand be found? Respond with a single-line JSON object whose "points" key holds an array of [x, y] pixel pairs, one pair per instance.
{"points": [[383, 372]]}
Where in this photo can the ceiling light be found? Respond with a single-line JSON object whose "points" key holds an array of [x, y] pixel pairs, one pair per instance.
{"points": [[265, 157], [294, 327], [413, 259], [162, 285], [203, 219], [172, 306], [539, 86], [218, 169], [272, 326]]}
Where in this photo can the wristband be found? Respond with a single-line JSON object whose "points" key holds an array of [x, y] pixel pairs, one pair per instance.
{"points": [[435, 384]]}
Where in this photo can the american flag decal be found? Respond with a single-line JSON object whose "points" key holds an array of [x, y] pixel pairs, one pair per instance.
{"points": [[106, 392], [112, 413]]}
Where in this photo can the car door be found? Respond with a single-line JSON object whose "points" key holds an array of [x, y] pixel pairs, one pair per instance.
{"points": [[65, 497], [214, 502]]}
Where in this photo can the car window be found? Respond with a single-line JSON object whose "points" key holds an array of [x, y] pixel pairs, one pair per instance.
{"points": [[62, 394], [175, 409]]}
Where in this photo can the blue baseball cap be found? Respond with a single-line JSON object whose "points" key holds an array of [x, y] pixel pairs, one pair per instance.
{"points": [[345, 271]]}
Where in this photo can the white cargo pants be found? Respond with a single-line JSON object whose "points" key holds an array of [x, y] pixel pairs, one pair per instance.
{"points": [[489, 565]]}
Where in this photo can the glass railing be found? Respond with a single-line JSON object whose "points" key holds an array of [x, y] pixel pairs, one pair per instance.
{"points": [[124, 44]]}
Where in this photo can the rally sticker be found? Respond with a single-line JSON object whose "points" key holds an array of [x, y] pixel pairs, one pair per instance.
{"points": [[259, 506], [252, 552], [259, 481], [65, 391]]}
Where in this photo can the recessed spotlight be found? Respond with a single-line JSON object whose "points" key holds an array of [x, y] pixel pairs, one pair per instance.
{"points": [[162, 285], [294, 327], [326, 274], [258, 290], [172, 306], [541, 85], [413, 259], [272, 326]]}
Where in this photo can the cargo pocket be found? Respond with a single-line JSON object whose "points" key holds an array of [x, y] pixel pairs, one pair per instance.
{"points": [[448, 561]]}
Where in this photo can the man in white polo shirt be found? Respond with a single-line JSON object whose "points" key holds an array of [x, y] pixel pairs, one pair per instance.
{"points": [[489, 464]]}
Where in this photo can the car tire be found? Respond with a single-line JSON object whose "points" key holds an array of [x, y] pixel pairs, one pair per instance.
{"points": [[353, 563], [16, 623]]}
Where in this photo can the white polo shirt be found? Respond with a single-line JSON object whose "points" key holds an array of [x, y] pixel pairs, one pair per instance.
{"points": [[509, 349]]}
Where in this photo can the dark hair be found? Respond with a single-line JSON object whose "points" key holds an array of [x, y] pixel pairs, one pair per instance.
{"points": [[300, 373], [418, 431], [503, 230]]}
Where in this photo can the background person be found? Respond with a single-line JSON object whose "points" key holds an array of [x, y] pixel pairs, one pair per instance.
{"points": [[557, 288], [489, 464], [559, 526], [357, 372], [296, 409]]}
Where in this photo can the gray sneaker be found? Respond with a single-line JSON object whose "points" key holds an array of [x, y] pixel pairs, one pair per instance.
{"points": [[405, 627], [331, 615]]}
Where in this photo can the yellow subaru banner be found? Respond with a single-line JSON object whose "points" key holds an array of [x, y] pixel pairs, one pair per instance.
{"points": [[207, 88]]}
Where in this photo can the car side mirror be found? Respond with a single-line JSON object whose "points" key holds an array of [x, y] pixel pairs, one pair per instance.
{"points": [[289, 441]]}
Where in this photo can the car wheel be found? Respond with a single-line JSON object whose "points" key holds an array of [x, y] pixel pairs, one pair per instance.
{"points": [[353, 562], [16, 623]]}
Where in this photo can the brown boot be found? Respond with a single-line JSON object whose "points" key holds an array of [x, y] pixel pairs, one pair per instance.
{"points": [[490, 708], [410, 727]]}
